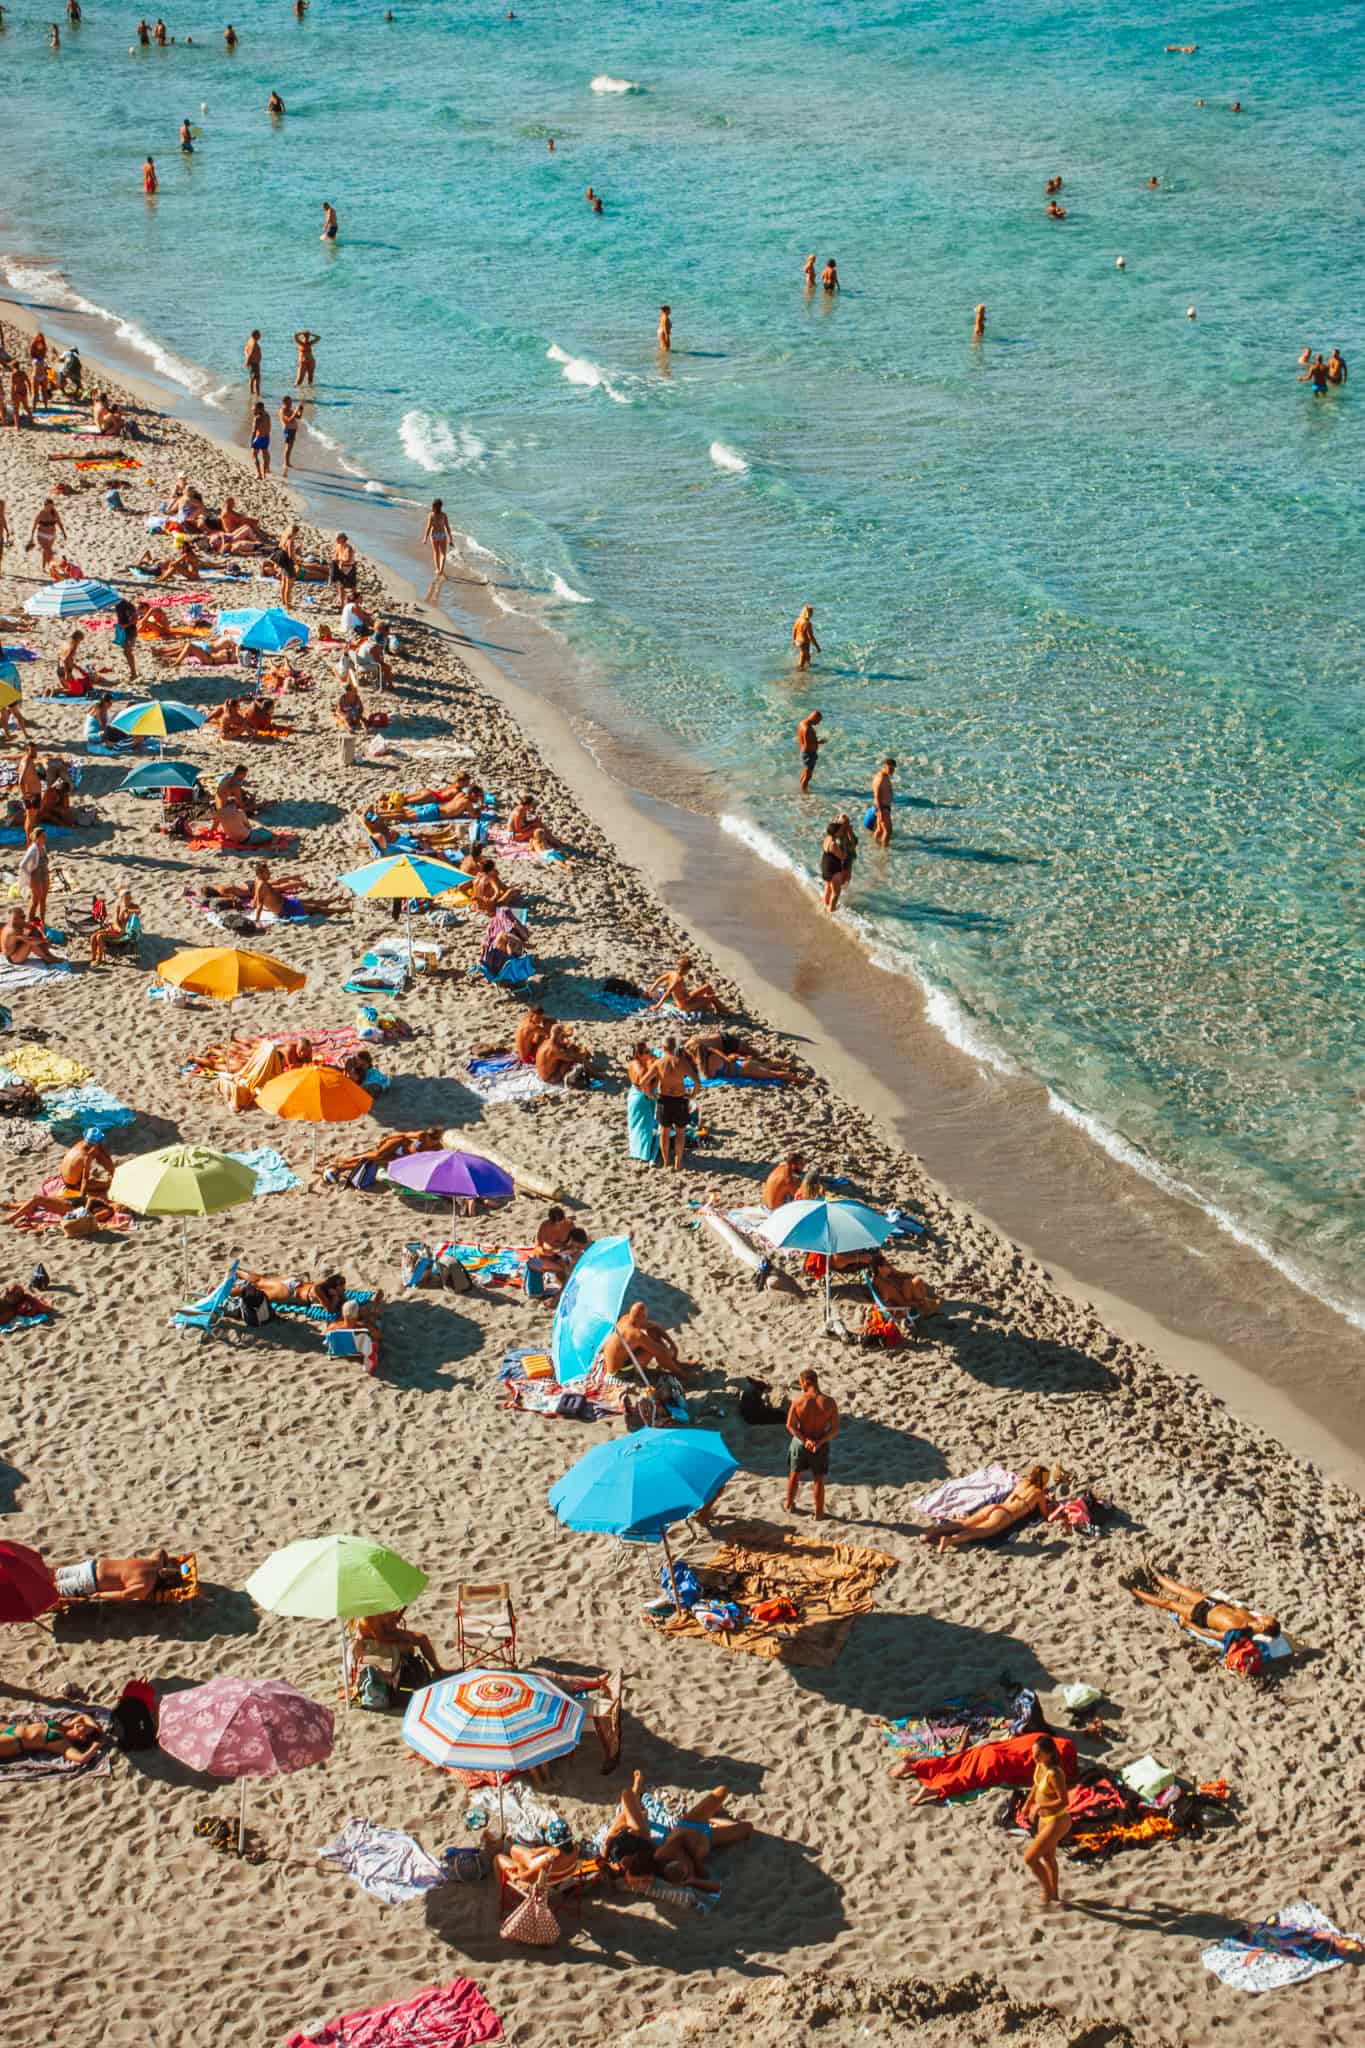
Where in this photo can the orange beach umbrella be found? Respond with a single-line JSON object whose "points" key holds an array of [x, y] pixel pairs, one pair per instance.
{"points": [[225, 972], [315, 1095]]}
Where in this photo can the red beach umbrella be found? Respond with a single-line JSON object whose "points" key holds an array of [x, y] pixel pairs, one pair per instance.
{"points": [[27, 1587]]}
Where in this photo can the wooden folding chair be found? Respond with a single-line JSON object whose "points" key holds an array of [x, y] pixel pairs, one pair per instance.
{"points": [[485, 1626]]}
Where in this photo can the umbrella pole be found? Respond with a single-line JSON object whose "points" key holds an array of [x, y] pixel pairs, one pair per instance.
{"points": [[672, 1577], [644, 1377], [185, 1256], [502, 1823], [241, 1819], [345, 1680]]}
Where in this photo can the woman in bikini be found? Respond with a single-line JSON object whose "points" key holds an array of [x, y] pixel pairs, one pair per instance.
{"points": [[673, 988], [1046, 1804], [75, 1738], [328, 1293], [637, 1850], [724, 1056], [437, 535], [1028, 1496], [47, 524]]}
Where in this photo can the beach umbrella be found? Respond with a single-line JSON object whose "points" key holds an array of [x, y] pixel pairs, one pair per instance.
{"points": [[457, 1174], [27, 1587], [315, 1095], [10, 692], [826, 1227], [335, 1578], [496, 1721], [244, 1728], [637, 1486], [268, 631], [183, 1181], [226, 972], [409, 876], [589, 1305], [160, 775], [70, 600], [156, 719]]}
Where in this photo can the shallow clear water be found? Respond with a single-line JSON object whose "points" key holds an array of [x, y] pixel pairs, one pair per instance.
{"points": [[1097, 584]]}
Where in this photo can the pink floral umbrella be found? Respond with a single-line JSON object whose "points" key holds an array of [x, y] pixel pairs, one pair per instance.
{"points": [[245, 1728]]}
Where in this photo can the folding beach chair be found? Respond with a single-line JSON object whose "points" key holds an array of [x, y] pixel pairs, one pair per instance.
{"points": [[352, 1343], [485, 1625], [206, 1315]]}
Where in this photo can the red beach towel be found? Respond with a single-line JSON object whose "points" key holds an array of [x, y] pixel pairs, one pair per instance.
{"points": [[457, 2016]]}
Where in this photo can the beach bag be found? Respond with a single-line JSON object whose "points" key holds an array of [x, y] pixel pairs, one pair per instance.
{"points": [[879, 1331], [689, 1587], [458, 1278], [575, 1408], [532, 1922], [373, 1693], [1242, 1655], [252, 1308], [134, 1717]]}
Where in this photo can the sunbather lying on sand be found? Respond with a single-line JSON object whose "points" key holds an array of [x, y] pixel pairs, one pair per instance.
{"points": [[283, 898], [458, 799], [328, 1293], [724, 1056], [74, 1737], [118, 1578], [184, 563], [902, 1290], [1027, 1497], [398, 1145], [16, 1302], [635, 1333], [674, 987], [219, 653], [1193, 1609], [637, 1852]]}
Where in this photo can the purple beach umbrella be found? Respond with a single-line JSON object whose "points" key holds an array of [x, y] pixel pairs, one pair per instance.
{"points": [[464, 1175]]}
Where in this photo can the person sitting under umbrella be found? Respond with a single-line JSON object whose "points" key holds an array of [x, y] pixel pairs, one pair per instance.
{"points": [[638, 1850], [118, 1578], [649, 1343], [75, 1738], [381, 1643]]}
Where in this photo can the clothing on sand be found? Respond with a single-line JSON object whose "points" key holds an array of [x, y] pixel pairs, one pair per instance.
{"points": [[384, 1862], [438, 2016]]}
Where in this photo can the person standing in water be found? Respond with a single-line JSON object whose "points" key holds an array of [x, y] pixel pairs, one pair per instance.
{"points": [[437, 536], [149, 184], [665, 328], [883, 796], [251, 356], [144, 35], [230, 37], [1337, 372], [290, 416], [808, 271], [305, 370], [979, 324], [275, 106], [829, 276], [803, 637], [329, 220], [186, 138], [809, 745]]}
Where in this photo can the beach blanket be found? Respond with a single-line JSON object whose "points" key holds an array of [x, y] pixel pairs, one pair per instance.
{"points": [[203, 838], [452, 2016], [378, 974], [528, 1374], [958, 1497], [313, 1311], [509, 1082], [34, 1312], [987, 1764], [42, 1068], [384, 1862], [16, 1770], [1289, 1948], [500, 1265], [829, 1584], [955, 1725], [71, 1109], [274, 1174], [17, 974], [623, 1005]]}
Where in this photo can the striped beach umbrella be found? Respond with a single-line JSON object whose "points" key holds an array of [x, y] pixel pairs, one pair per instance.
{"points": [[411, 877], [492, 1721], [70, 600], [158, 718]]}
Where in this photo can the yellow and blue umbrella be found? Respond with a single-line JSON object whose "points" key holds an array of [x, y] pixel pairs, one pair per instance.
{"points": [[157, 718], [411, 877]]}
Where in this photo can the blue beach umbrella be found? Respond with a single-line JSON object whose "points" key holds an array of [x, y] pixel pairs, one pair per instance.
{"points": [[70, 600], [639, 1485], [160, 775], [266, 631], [827, 1227], [156, 719], [589, 1305]]}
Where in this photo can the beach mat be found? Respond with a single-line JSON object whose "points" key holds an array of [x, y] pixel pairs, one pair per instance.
{"points": [[829, 1584]]}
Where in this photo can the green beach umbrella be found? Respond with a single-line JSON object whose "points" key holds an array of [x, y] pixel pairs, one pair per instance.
{"points": [[335, 1578], [183, 1181]]}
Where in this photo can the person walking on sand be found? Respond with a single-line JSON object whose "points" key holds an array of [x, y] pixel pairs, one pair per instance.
{"points": [[1046, 1805], [47, 524], [437, 536], [251, 356], [290, 416], [260, 440], [306, 369], [672, 1071], [803, 636], [35, 877], [665, 328], [149, 184], [329, 222], [809, 744], [812, 1425], [883, 796]]}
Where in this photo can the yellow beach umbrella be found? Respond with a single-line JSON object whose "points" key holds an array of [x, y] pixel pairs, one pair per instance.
{"points": [[8, 694], [315, 1095], [225, 972]]}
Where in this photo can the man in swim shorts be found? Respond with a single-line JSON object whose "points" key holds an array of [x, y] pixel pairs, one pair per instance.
{"points": [[883, 796], [329, 222], [809, 746], [673, 1070], [812, 1425]]}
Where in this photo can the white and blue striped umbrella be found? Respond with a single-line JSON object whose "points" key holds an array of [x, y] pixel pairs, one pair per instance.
{"points": [[492, 1721], [70, 600]]}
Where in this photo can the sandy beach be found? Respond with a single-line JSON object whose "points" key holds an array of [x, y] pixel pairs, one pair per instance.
{"points": [[848, 1917]]}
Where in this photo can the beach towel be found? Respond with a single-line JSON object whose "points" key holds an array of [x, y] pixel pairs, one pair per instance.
{"points": [[15, 1770], [71, 1109], [1289, 1948], [42, 1068], [829, 1584], [384, 1862], [313, 1311], [948, 1729], [498, 1265], [453, 2016], [642, 1132], [986, 1764], [958, 1497], [274, 1174], [34, 1313], [377, 974], [513, 1083]]}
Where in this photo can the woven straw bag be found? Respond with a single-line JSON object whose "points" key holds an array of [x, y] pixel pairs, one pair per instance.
{"points": [[533, 1921]]}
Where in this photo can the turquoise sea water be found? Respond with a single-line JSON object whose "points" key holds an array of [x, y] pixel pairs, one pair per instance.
{"points": [[1097, 584]]}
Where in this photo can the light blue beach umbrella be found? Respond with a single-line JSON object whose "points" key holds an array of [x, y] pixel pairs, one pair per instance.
{"points": [[589, 1305], [826, 1227], [268, 631], [160, 775], [637, 1486], [157, 718], [70, 600]]}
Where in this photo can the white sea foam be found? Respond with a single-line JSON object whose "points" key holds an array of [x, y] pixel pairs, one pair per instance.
{"points": [[343, 460], [604, 82], [376, 490], [566, 591], [579, 370], [39, 281], [434, 445], [729, 458], [476, 547]]}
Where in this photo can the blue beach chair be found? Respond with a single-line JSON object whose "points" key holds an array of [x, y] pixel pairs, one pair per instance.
{"points": [[205, 1316]]}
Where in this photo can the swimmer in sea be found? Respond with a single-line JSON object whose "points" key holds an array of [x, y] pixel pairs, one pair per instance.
{"points": [[1337, 372], [275, 105], [1052, 185], [230, 37], [1316, 375], [329, 216], [550, 144], [305, 371], [803, 637], [149, 185], [54, 37], [829, 276], [1153, 185], [186, 139], [665, 328], [808, 271], [809, 744], [979, 324], [589, 196], [144, 35], [1237, 106], [1055, 212]]}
